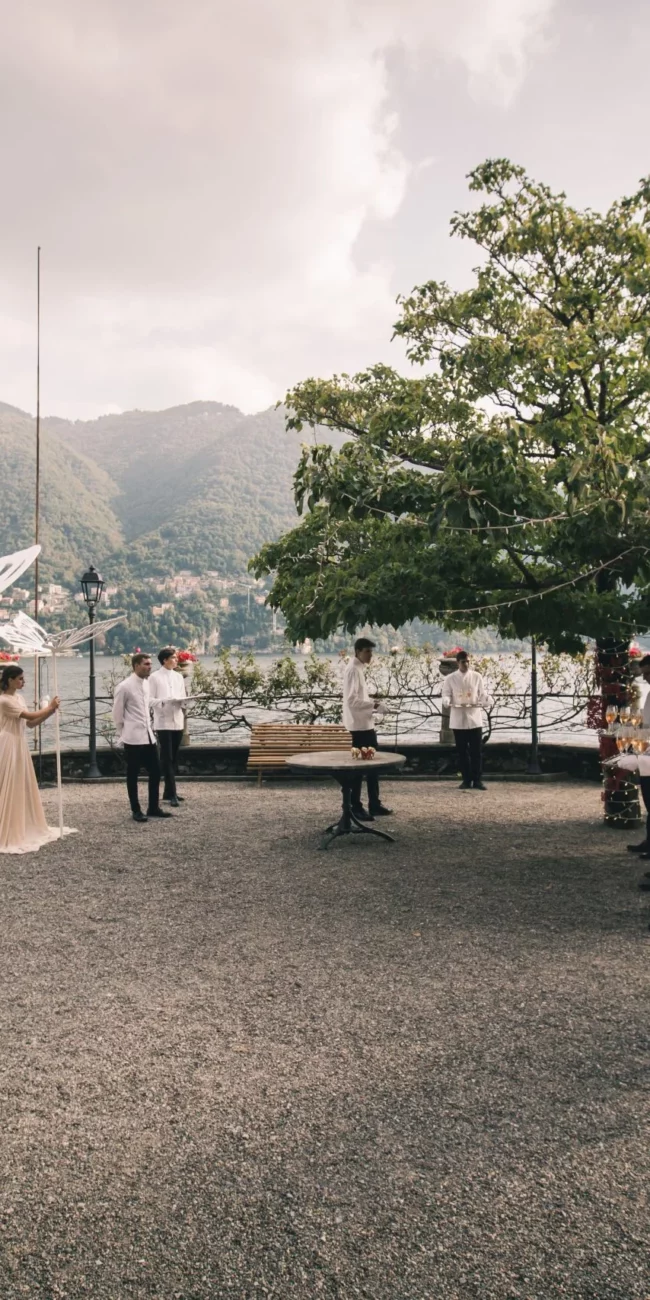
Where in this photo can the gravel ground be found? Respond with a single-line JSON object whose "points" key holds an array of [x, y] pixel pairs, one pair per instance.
{"points": [[235, 1066]]}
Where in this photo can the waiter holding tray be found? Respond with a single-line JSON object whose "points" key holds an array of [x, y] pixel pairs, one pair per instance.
{"points": [[168, 700], [465, 695], [359, 712]]}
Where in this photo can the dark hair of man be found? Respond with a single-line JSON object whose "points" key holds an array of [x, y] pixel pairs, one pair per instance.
{"points": [[363, 643], [7, 675], [645, 662], [164, 655], [462, 654], [139, 659]]}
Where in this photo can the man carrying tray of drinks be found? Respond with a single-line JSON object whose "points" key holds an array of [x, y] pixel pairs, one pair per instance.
{"points": [[359, 712], [464, 694], [639, 761]]}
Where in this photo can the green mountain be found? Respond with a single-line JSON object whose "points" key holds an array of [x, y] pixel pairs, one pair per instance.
{"points": [[145, 494], [77, 519]]}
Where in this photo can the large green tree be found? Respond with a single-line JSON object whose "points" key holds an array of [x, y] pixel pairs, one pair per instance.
{"points": [[507, 482]]}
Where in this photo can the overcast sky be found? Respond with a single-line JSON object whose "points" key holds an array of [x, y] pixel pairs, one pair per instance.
{"points": [[229, 196]]}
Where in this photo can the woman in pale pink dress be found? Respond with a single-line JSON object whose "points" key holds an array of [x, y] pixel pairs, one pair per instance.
{"points": [[23, 828]]}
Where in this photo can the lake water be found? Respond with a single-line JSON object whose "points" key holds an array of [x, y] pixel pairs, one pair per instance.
{"points": [[73, 688]]}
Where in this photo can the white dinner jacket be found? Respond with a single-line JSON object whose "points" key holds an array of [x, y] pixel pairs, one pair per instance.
{"points": [[132, 712], [166, 690], [465, 696]]}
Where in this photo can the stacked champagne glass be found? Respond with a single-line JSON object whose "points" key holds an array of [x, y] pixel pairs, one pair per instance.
{"points": [[627, 726]]}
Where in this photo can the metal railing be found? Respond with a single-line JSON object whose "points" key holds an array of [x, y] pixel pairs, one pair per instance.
{"points": [[415, 715]]}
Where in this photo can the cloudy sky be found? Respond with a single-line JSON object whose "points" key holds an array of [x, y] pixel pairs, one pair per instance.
{"points": [[229, 196]]}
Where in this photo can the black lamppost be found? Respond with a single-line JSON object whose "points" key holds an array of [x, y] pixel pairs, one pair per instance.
{"points": [[534, 768], [92, 586]]}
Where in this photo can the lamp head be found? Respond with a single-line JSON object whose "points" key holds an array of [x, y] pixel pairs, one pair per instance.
{"points": [[92, 585]]}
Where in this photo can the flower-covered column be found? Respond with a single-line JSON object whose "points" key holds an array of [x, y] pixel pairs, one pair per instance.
{"points": [[447, 665], [615, 676], [185, 666]]}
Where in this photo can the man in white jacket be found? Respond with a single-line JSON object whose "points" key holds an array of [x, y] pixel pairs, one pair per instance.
{"points": [[134, 730], [359, 711], [464, 694], [167, 694]]}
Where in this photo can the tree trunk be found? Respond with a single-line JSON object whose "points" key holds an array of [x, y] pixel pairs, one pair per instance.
{"points": [[614, 676]]}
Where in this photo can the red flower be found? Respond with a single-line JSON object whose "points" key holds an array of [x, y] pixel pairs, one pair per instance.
{"points": [[6, 658], [186, 657], [451, 654]]}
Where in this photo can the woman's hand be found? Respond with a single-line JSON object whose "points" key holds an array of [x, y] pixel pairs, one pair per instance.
{"points": [[54, 704]]}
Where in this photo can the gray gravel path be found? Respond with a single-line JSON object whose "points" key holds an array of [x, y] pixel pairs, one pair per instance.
{"points": [[234, 1066]]}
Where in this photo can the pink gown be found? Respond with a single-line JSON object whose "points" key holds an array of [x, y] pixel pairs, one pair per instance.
{"points": [[23, 828]]}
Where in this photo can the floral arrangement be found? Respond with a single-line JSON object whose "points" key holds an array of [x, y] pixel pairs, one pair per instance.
{"points": [[635, 652], [186, 657], [451, 654], [6, 658], [366, 752]]}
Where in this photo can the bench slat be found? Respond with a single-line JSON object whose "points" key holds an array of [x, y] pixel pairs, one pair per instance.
{"points": [[273, 742]]}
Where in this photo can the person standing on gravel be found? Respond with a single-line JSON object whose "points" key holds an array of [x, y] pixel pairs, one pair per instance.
{"points": [[167, 694], [134, 728], [465, 695], [643, 849], [359, 709]]}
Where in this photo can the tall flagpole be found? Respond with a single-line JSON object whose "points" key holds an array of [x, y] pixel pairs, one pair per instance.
{"points": [[37, 510], [37, 503]]}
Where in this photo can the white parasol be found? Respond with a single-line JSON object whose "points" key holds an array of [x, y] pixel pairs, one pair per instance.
{"points": [[13, 566], [26, 637]]}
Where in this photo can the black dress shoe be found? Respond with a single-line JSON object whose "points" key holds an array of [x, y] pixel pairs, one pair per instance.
{"points": [[381, 811], [138, 816], [157, 812], [465, 785], [175, 802], [638, 848], [645, 884], [478, 785], [169, 798], [361, 814]]}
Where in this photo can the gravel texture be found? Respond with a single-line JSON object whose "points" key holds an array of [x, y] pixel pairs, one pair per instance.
{"points": [[235, 1066]]}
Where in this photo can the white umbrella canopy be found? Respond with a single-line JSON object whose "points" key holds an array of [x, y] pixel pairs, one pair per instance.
{"points": [[13, 566], [26, 637]]}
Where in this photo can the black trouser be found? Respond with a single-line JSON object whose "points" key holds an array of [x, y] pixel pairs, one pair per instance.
{"points": [[470, 756], [360, 738], [146, 756], [169, 742], [645, 795]]}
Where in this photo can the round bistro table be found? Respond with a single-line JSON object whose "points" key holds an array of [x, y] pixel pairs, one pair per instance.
{"points": [[340, 765]]}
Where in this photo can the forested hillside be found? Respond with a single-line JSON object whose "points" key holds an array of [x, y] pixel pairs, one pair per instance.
{"points": [[77, 519], [196, 487]]}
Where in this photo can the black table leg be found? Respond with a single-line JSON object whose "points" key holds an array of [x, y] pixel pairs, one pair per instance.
{"points": [[348, 824]]}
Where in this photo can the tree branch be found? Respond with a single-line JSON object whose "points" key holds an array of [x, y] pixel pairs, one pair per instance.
{"points": [[531, 581]]}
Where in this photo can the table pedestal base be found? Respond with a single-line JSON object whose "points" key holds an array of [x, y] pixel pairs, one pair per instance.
{"points": [[348, 824]]}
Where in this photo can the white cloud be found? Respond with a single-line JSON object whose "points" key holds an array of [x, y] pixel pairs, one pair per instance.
{"points": [[492, 41], [199, 175]]}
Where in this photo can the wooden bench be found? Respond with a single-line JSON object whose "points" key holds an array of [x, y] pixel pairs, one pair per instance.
{"points": [[273, 742]]}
